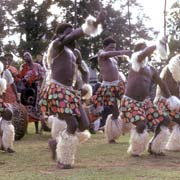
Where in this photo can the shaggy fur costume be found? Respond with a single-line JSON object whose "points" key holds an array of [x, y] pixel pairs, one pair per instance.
{"points": [[56, 125], [174, 67], [135, 64], [174, 139], [8, 134], [113, 128], [158, 143], [138, 142], [162, 47], [89, 28], [66, 148]]}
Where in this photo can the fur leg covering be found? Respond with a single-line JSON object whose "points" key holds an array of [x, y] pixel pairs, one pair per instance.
{"points": [[8, 135], [174, 139], [83, 136], [138, 142], [57, 126], [66, 148], [158, 143], [113, 128], [126, 128]]}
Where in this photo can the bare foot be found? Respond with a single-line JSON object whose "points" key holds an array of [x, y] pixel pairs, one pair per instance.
{"points": [[112, 141], [9, 150], [64, 166]]}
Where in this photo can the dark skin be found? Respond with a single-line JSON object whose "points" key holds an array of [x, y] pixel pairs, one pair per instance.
{"points": [[138, 85], [64, 66], [109, 69], [174, 89], [29, 61]]}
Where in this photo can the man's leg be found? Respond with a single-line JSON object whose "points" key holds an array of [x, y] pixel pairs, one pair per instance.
{"points": [[173, 143], [36, 124], [138, 139], [158, 142], [113, 126], [67, 143]]}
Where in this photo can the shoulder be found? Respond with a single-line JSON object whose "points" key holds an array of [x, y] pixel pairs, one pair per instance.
{"points": [[100, 53]]}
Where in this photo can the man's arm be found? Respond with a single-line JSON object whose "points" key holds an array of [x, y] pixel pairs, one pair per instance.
{"points": [[162, 84], [82, 67], [90, 27], [108, 54], [145, 53]]}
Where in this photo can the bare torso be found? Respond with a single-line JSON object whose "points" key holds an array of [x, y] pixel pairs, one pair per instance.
{"points": [[139, 83], [63, 65], [109, 69]]}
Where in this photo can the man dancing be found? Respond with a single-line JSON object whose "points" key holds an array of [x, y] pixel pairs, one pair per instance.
{"points": [[112, 87], [137, 107], [171, 75], [59, 98]]}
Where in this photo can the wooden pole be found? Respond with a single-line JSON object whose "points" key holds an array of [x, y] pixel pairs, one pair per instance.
{"points": [[129, 22], [165, 2], [75, 14]]}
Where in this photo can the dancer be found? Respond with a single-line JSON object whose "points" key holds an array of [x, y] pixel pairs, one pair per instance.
{"points": [[59, 98], [137, 107], [171, 75], [112, 87]]}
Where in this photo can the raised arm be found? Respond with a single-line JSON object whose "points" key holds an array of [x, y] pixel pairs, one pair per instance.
{"points": [[91, 27], [108, 54], [162, 84], [145, 53]]}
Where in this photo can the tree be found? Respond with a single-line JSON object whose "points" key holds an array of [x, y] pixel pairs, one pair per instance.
{"points": [[32, 26], [173, 27]]}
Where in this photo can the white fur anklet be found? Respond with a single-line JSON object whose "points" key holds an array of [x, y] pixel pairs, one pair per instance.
{"points": [[8, 134], [159, 143], [174, 139], [138, 142], [113, 128], [66, 148]]}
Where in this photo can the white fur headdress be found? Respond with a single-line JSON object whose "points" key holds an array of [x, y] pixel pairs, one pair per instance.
{"points": [[174, 67], [3, 85], [89, 28]]}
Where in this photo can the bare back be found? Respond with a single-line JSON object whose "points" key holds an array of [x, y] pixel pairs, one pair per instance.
{"points": [[63, 65]]}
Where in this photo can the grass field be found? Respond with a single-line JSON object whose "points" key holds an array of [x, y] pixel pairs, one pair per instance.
{"points": [[95, 160]]}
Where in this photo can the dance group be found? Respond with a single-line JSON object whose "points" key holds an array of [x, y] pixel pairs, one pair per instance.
{"points": [[63, 99]]}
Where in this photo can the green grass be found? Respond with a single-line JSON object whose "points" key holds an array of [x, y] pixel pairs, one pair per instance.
{"points": [[95, 160]]}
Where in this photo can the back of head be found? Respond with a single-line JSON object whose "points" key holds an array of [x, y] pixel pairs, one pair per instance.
{"points": [[107, 41], [62, 27], [8, 55], [139, 45]]}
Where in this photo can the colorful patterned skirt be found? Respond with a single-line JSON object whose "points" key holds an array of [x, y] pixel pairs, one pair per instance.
{"points": [[107, 95], [58, 99], [163, 106], [133, 111]]}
